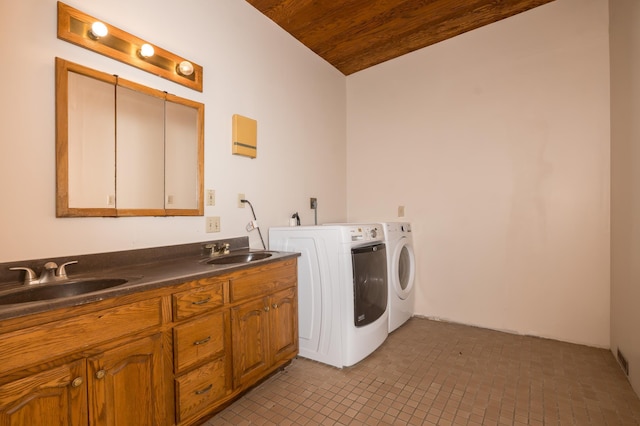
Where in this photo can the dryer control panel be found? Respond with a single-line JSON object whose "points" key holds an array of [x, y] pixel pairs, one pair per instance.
{"points": [[362, 233]]}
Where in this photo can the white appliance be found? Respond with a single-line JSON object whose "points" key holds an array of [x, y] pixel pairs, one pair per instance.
{"points": [[402, 270], [342, 289]]}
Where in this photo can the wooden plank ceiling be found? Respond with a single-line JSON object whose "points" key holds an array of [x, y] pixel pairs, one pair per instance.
{"points": [[356, 34]]}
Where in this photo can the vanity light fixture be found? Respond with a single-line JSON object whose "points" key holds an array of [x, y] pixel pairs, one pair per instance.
{"points": [[185, 68], [146, 50], [91, 33], [98, 30]]}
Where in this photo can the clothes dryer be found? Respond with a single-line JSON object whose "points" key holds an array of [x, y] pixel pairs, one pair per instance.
{"points": [[342, 289], [401, 268]]}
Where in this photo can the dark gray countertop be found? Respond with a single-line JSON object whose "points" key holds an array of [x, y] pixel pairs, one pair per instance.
{"points": [[151, 270]]}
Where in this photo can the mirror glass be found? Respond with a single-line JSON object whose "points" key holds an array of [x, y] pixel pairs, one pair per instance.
{"points": [[124, 149], [91, 150], [181, 154], [140, 150]]}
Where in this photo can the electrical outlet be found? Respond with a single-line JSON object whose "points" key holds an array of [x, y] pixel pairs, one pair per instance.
{"points": [[213, 224], [240, 203], [170, 199], [400, 211], [313, 202], [211, 197]]}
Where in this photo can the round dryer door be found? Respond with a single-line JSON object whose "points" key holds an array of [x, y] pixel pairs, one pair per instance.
{"points": [[404, 269]]}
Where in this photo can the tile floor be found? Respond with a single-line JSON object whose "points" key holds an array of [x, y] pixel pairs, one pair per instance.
{"points": [[436, 373]]}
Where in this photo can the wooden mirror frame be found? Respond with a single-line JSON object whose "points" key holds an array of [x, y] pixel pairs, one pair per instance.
{"points": [[63, 208]]}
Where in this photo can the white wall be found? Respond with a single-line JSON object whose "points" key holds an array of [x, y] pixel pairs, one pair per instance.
{"points": [[251, 67], [497, 143], [625, 179]]}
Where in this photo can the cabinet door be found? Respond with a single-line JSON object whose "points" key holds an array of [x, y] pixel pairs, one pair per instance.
{"points": [[284, 325], [127, 385], [250, 336], [54, 397]]}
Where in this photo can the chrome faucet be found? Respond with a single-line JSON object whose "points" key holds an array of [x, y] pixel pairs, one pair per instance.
{"points": [[218, 249], [50, 272]]}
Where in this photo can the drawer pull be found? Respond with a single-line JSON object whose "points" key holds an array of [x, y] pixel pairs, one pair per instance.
{"points": [[205, 390], [77, 382], [100, 374], [201, 302], [201, 342]]}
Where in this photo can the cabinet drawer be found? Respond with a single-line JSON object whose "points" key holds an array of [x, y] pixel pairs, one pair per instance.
{"points": [[209, 295], [278, 276], [198, 340], [58, 338], [200, 389]]}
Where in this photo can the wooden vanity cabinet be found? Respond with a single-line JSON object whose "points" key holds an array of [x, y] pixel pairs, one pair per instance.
{"points": [[52, 397], [265, 326], [122, 382], [250, 341], [121, 386], [201, 349], [167, 356], [126, 384], [283, 333]]}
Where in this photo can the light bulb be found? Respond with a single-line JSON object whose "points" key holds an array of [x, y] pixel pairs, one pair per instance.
{"points": [[185, 68], [98, 29], [146, 50]]}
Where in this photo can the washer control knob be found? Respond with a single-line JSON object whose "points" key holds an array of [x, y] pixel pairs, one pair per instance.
{"points": [[374, 233]]}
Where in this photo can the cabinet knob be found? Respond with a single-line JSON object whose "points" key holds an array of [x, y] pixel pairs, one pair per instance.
{"points": [[266, 309], [100, 374], [77, 382], [275, 306]]}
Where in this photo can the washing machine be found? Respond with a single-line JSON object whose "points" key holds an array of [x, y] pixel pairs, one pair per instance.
{"points": [[342, 289], [402, 270]]}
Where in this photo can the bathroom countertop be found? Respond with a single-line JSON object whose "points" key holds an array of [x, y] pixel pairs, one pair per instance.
{"points": [[146, 275]]}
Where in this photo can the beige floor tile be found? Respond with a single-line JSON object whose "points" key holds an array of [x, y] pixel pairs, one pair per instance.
{"points": [[436, 373]]}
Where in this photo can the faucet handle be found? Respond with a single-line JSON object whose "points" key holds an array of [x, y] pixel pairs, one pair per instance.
{"points": [[29, 275], [217, 249], [62, 272], [50, 266]]}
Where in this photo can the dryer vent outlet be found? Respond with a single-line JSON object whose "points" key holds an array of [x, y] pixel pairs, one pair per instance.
{"points": [[623, 362]]}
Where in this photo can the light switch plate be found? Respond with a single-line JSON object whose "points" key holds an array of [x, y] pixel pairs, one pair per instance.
{"points": [[211, 197]]}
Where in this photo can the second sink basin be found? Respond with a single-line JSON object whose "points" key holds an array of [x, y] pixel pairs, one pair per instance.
{"points": [[37, 293], [239, 258]]}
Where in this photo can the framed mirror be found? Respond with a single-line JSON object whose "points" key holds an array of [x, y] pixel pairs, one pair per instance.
{"points": [[123, 149]]}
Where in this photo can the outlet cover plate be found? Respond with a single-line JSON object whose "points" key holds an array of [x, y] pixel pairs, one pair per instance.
{"points": [[213, 224]]}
